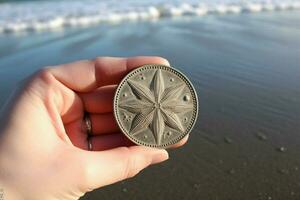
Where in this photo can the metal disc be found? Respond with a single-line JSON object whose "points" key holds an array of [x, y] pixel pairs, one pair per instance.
{"points": [[155, 106]]}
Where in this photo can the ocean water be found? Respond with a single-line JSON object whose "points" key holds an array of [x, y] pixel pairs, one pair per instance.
{"points": [[246, 70], [59, 14]]}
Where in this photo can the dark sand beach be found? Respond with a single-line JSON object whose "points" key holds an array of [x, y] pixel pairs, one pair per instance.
{"points": [[246, 70]]}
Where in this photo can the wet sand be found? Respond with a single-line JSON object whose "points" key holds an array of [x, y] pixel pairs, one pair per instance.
{"points": [[246, 70]]}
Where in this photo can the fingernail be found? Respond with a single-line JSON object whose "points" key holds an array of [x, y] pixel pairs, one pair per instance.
{"points": [[160, 156]]}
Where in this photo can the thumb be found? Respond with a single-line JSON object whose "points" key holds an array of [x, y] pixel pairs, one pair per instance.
{"points": [[110, 166]]}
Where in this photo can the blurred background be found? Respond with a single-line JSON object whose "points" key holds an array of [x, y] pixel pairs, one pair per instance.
{"points": [[243, 58]]}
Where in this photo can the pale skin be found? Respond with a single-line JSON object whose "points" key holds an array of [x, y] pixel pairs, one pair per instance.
{"points": [[43, 143]]}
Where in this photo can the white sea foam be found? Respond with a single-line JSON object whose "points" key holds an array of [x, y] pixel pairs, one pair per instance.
{"points": [[57, 14]]}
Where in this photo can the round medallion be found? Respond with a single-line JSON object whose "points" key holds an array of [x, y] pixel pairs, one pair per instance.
{"points": [[155, 106]]}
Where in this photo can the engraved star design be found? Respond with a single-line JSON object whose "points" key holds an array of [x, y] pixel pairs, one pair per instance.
{"points": [[155, 107]]}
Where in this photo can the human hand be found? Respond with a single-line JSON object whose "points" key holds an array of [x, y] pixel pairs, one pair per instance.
{"points": [[43, 143]]}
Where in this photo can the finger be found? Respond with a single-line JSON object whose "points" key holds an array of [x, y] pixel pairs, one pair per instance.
{"points": [[181, 142], [103, 123], [110, 141], [77, 133], [100, 100], [107, 167], [84, 76]]}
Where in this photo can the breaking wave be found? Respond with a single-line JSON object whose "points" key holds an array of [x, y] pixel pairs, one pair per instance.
{"points": [[52, 15]]}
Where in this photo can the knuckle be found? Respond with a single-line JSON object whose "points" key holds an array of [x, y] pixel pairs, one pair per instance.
{"points": [[99, 61], [38, 84], [41, 78], [43, 84], [44, 75], [35, 78], [99, 58]]}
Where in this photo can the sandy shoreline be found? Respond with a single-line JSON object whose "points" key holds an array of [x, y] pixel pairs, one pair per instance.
{"points": [[246, 71]]}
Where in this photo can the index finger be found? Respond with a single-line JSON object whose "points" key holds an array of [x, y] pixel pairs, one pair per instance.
{"points": [[87, 75]]}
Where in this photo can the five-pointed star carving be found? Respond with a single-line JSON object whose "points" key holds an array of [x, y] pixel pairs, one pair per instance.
{"points": [[155, 107]]}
